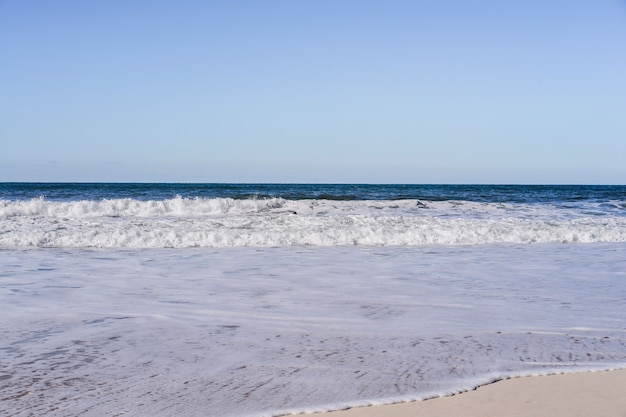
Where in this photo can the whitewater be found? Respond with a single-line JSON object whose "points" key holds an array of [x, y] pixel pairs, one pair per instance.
{"points": [[225, 222], [267, 300]]}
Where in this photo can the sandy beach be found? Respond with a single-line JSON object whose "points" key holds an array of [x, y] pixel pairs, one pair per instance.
{"points": [[598, 394]]}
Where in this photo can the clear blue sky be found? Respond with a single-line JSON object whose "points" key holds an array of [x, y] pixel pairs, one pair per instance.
{"points": [[363, 91]]}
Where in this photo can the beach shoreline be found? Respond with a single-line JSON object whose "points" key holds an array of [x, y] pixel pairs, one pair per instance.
{"points": [[597, 393]]}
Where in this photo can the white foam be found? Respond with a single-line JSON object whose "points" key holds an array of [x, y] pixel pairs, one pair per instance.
{"points": [[126, 207], [224, 222], [262, 331]]}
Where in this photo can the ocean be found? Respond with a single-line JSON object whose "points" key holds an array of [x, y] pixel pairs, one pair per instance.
{"points": [[276, 299]]}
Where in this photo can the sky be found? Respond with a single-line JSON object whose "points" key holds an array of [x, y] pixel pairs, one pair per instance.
{"points": [[313, 91]]}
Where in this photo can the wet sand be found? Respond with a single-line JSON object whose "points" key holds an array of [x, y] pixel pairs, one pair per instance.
{"points": [[598, 394]]}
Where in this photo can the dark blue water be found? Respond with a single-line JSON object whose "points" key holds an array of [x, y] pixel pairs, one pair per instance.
{"points": [[480, 193]]}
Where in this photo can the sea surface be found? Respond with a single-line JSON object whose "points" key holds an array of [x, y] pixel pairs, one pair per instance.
{"points": [[274, 299]]}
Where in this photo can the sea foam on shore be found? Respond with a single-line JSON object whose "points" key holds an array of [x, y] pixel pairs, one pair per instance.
{"points": [[264, 331]]}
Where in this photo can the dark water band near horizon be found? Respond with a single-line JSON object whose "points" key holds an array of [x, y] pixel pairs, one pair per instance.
{"points": [[514, 193]]}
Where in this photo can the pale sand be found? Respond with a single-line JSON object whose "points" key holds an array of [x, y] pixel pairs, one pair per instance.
{"points": [[587, 394]]}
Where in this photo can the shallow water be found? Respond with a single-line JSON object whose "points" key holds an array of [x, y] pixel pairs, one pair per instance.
{"points": [[266, 330]]}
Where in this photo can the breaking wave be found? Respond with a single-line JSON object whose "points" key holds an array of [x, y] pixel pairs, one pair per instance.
{"points": [[225, 222]]}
